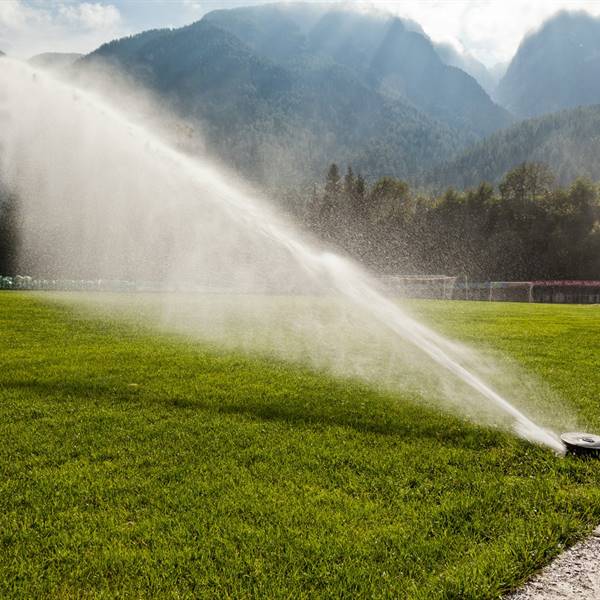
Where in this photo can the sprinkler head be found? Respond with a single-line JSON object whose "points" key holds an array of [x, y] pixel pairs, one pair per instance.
{"points": [[582, 444]]}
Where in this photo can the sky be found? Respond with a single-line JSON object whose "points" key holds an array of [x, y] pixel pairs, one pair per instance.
{"points": [[490, 30]]}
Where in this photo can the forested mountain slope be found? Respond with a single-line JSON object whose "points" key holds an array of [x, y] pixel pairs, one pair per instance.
{"points": [[485, 77], [567, 141], [279, 121], [390, 55]]}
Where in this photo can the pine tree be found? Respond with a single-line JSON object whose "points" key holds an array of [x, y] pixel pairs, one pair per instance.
{"points": [[332, 182], [360, 187], [349, 183]]}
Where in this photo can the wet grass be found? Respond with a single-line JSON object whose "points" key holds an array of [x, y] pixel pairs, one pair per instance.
{"points": [[142, 465]]}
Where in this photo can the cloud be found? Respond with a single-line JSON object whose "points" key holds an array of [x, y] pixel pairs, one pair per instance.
{"points": [[193, 5], [15, 15], [31, 27], [91, 15]]}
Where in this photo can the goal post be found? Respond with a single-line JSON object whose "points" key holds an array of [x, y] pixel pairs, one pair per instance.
{"points": [[495, 291], [439, 287], [450, 287], [511, 291]]}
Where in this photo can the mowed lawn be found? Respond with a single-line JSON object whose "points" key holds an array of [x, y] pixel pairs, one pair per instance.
{"points": [[140, 465]]}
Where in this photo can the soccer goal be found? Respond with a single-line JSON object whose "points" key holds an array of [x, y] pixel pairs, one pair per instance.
{"points": [[510, 291], [439, 287], [495, 291]]}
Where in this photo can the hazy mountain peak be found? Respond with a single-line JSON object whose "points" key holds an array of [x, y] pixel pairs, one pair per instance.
{"points": [[386, 52], [555, 67], [469, 64]]}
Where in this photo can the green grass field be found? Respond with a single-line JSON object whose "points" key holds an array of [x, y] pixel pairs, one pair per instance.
{"points": [[142, 465]]}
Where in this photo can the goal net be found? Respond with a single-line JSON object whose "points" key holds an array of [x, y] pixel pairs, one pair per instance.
{"points": [[495, 291], [439, 287], [511, 291]]}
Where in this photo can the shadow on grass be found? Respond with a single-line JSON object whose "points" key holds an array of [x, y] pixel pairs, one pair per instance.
{"points": [[417, 425], [361, 410]]}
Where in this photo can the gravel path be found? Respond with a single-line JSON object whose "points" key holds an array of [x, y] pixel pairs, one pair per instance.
{"points": [[575, 574]]}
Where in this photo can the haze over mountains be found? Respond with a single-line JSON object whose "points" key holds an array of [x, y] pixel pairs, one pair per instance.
{"points": [[54, 60], [487, 78], [554, 68], [391, 56], [555, 77], [280, 91], [272, 120]]}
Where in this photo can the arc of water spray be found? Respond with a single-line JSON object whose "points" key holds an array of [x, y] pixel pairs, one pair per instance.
{"points": [[350, 281], [356, 286]]}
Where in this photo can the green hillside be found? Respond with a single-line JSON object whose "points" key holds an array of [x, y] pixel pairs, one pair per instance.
{"points": [[567, 141]]}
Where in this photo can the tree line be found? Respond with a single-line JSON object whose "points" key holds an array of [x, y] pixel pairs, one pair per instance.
{"points": [[527, 228]]}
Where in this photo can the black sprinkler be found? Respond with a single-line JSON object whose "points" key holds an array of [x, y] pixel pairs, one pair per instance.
{"points": [[582, 444]]}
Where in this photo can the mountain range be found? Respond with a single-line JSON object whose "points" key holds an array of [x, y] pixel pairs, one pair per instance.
{"points": [[390, 55], [279, 91], [278, 95]]}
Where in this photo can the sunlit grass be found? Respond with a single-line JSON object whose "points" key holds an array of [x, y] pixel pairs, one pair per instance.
{"points": [[138, 464]]}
